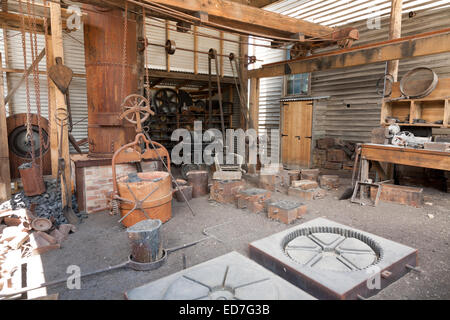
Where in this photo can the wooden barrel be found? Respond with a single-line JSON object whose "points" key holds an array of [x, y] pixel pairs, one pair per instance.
{"points": [[198, 179], [157, 206]]}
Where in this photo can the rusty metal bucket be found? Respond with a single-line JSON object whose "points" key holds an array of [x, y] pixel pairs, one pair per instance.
{"points": [[157, 206], [32, 180], [198, 179]]}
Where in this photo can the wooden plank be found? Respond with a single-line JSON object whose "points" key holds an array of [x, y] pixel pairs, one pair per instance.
{"points": [[447, 113], [5, 176], [442, 91], [25, 75], [395, 32], [58, 51], [407, 156], [403, 48]]}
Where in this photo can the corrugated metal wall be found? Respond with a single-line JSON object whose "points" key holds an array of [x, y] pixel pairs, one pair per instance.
{"points": [[353, 108], [182, 60], [73, 58]]}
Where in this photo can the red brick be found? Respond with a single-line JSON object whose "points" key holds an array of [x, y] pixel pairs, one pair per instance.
{"points": [[310, 174], [285, 215], [305, 184], [225, 191], [329, 182], [325, 143], [336, 155]]}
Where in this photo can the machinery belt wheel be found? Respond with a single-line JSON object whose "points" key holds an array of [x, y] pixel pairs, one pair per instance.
{"points": [[332, 248]]}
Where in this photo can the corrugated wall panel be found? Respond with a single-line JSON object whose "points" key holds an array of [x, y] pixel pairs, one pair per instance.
{"points": [[182, 60], [156, 56], [204, 44], [353, 109]]}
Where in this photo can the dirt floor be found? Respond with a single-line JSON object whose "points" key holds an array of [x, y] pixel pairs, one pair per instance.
{"points": [[101, 241]]}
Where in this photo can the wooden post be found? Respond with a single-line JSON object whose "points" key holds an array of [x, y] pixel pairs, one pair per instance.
{"points": [[254, 104], [167, 38], [7, 64], [395, 32], [59, 99], [5, 176], [195, 50], [53, 127], [221, 54]]}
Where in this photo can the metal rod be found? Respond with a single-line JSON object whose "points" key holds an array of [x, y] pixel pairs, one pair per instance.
{"points": [[54, 282]]}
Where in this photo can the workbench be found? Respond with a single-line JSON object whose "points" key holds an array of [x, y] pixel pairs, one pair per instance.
{"points": [[389, 154]]}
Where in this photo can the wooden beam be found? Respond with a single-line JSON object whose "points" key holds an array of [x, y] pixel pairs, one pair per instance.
{"points": [[185, 76], [242, 16], [5, 175], [243, 52], [58, 51], [25, 75], [425, 44], [7, 64], [236, 15], [395, 32]]}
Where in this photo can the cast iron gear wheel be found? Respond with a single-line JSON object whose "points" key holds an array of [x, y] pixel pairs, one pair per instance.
{"points": [[332, 248], [167, 101]]}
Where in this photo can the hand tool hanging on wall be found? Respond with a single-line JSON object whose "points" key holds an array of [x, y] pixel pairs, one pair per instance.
{"points": [[61, 118], [61, 76], [213, 56]]}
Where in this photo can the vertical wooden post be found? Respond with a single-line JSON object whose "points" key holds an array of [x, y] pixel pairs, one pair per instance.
{"points": [[5, 175], [59, 99], [167, 55], [53, 127], [254, 104], [195, 50], [395, 32]]}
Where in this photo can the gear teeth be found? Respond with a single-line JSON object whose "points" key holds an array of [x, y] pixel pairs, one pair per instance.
{"points": [[336, 230]]}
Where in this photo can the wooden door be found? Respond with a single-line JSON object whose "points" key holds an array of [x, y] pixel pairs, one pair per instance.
{"points": [[296, 134]]}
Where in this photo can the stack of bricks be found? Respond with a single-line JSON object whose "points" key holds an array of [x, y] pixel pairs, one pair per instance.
{"points": [[254, 200], [286, 211], [275, 179], [333, 154], [97, 184], [225, 191]]}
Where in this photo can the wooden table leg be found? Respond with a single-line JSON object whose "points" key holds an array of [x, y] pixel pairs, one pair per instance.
{"points": [[364, 170]]}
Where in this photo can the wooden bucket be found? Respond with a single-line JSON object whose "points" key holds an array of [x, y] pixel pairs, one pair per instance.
{"points": [[157, 206]]}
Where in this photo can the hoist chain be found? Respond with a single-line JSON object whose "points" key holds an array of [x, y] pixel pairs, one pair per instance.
{"points": [[34, 54], [124, 50], [147, 80], [27, 87]]}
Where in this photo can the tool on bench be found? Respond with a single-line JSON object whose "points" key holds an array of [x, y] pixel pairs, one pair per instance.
{"points": [[61, 117]]}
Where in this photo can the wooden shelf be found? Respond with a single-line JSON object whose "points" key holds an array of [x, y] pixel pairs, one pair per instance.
{"points": [[435, 107]]}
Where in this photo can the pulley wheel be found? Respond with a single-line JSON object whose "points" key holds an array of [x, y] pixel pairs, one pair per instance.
{"points": [[171, 47], [20, 145], [167, 100], [298, 50], [133, 105]]}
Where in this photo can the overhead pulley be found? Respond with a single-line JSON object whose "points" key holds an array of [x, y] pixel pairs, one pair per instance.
{"points": [[171, 47]]}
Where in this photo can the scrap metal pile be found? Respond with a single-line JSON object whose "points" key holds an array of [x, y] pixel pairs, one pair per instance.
{"points": [[47, 205]]}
